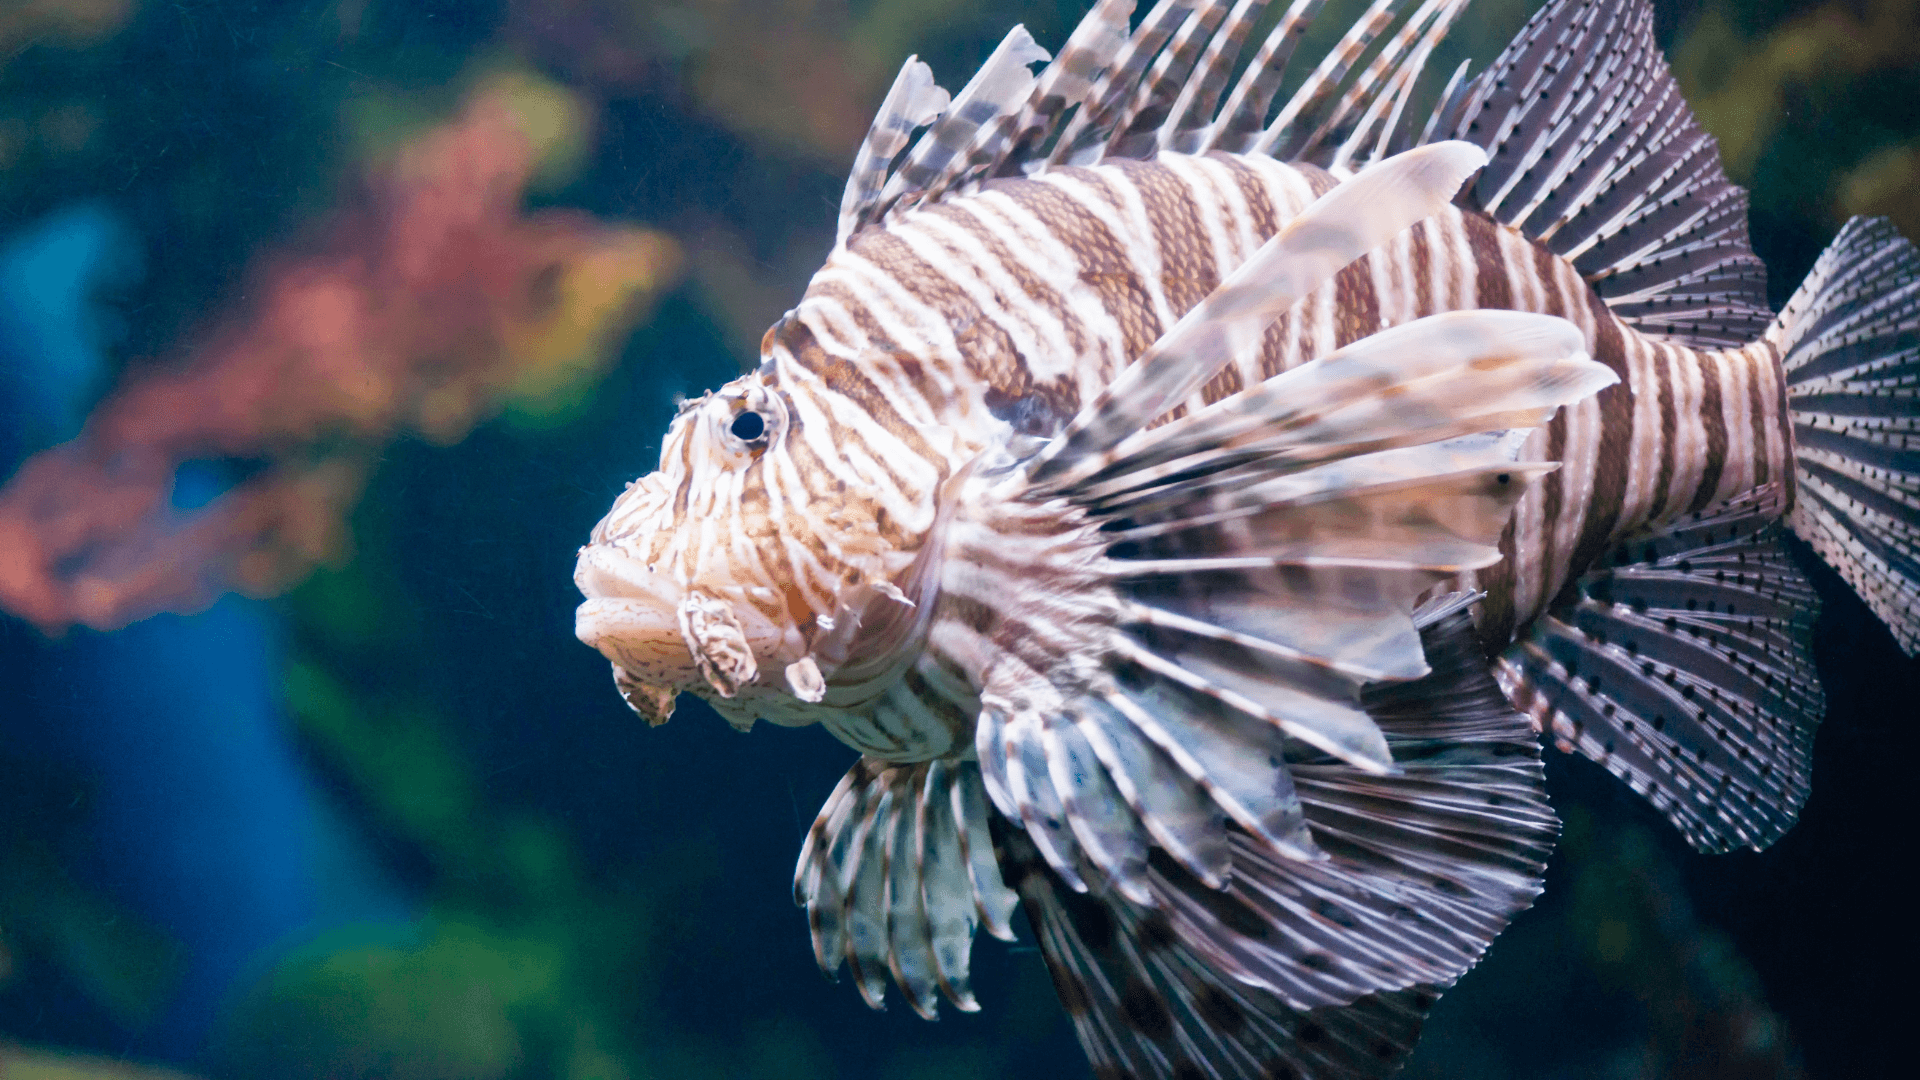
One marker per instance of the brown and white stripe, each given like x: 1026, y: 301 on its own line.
x: 942, y: 515
x: 1028, y: 296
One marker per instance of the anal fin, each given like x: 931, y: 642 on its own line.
x: 1682, y: 663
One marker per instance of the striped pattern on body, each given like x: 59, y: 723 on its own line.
x: 1137, y: 652
x: 1113, y: 478
x: 1018, y: 303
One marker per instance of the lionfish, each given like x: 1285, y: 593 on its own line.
x: 1196, y: 513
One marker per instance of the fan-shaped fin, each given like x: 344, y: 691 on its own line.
x: 1422, y: 868
x: 1110, y: 618
x: 1239, y: 603
x: 1318, y: 968
x: 1851, y: 341
x: 1146, y: 1008
x: 1596, y: 155
x: 1682, y: 663
x: 1413, y: 873
x: 896, y: 873
x: 992, y: 901
x: 1173, y: 807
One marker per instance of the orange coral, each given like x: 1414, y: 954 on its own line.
x: 423, y: 305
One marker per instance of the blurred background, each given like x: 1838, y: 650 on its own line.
x: 328, y: 328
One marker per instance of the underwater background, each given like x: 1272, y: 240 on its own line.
x: 329, y: 328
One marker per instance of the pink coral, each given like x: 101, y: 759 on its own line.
x: 421, y: 305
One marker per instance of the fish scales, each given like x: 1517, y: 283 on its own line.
x: 1198, y: 514
x: 1129, y: 256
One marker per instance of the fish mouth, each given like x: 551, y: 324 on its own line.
x: 666, y: 636
x: 631, y: 617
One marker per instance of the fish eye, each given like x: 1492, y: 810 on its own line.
x: 748, y: 426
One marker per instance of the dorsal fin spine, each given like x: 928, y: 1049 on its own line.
x: 1414, y: 41
x: 1072, y: 78
x: 912, y: 100
x: 1325, y: 80
x: 1244, y: 115
x: 1002, y: 79
x: 1372, y: 92
x: 1200, y: 97
x: 1154, y: 98
x: 1118, y: 84
x: 1457, y: 85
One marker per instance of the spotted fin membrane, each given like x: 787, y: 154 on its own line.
x: 1682, y: 663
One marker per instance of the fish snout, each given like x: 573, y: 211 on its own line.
x: 631, y: 617
x: 666, y: 637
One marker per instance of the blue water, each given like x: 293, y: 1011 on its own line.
x: 201, y: 818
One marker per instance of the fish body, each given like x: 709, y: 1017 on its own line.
x: 1024, y: 299
x: 1195, y: 511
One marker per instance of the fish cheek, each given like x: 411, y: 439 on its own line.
x: 771, y: 545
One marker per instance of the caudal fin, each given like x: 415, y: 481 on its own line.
x: 1851, y: 342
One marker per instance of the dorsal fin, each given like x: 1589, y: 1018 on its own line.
x: 1299, y: 131
x: 1193, y: 111
x: 1378, y: 99
x: 1083, y: 139
x: 1073, y: 79
x: 945, y: 153
x: 1244, y: 115
x: 1595, y: 154
x: 1116, y: 92
x: 1137, y: 134
x: 913, y: 100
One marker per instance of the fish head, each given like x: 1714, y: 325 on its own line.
x: 739, y: 573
